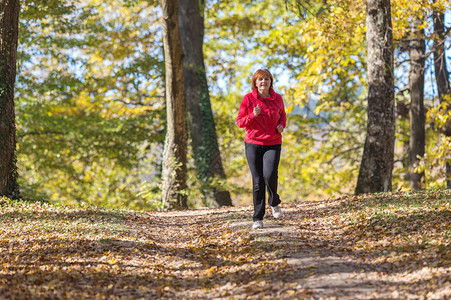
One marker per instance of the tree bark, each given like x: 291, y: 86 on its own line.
x: 417, y: 53
x: 174, y: 190
x: 204, y: 140
x: 375, y: 174
x: 9, y: 29
x: 442, y: 75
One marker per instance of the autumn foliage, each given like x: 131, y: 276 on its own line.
x: 390, y: 245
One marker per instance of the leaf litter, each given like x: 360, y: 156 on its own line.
x: 386, y: 245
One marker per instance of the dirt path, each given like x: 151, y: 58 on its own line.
x: 302, y: 255
x: 386, y: 246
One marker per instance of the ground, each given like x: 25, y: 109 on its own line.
x: 381, y: 246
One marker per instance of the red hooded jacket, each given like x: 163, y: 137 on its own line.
x: 261, y: 130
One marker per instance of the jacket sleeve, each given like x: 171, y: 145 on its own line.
x: 244, y: 116
x: 283, y: 115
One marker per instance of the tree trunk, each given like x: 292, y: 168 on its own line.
x: 207, y: 157
x: 442, y: 75
x: 417, y: 53
x: 375, y: 174
x: 9, y: 29
x: 174, y: 190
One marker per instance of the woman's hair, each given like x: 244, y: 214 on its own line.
x: 261, y: 73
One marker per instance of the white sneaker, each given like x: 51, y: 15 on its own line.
x: 276, y: 211
x: 257, y: 224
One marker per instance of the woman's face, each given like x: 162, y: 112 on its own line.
x: 263, y: 84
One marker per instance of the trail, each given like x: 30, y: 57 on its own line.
x: 288, y: 258
x: 382, y: 246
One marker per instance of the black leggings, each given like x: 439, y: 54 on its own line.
x: 263, y: 161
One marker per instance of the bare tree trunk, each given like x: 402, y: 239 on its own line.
x: 417, y: 53
x: 442, y: 75
x: 174, y: 190
x: 207, y: 157
x: 9, y: 30
x: 375, y: 174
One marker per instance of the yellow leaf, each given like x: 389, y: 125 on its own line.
x: 112, y: 261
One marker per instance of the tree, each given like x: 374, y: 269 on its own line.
x: 323, y: 55
x: 174, y: 158
x: 442, y: 76
x: 376, y: 167
x: 204, y: 140
x: 9, y: 31
x: 90, y: 112
x: 417, y: 53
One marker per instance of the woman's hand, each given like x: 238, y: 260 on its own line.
x: 257, y: 110
x: 279, y: 128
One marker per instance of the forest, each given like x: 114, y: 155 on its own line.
x: 132, y: 103
x: 123, y: 172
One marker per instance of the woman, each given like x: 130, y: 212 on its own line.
x: 262, y: 114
